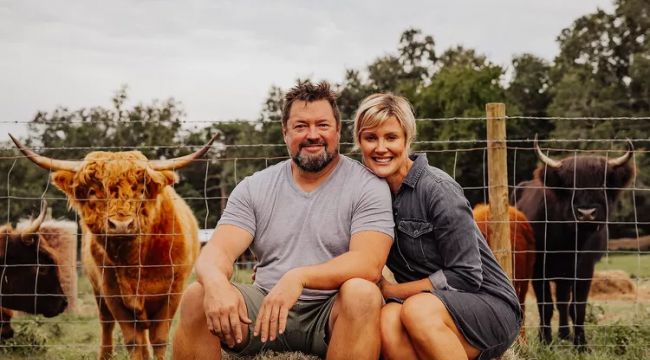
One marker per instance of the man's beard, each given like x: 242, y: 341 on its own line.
x: 314, y: 163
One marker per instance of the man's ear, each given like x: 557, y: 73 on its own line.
x: 64, y: 180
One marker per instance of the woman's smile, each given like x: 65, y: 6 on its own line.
x: 385, y: 151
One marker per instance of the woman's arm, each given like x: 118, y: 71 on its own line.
x: 404, y: 290
x: 456, y: 237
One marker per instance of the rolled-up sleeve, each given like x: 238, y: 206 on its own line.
x: 455, y: 230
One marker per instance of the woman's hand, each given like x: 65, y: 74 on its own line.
x: 403, y: 290
x: 386, y: 287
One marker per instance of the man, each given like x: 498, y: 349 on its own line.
x: 318, y: 223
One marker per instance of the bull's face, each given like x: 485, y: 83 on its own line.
x: 29, y: 275
x: 115, y: 193
x: 586, y: 187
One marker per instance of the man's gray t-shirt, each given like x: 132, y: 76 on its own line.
x: 293, y: 228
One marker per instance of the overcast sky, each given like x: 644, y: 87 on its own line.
x: 219, y: 58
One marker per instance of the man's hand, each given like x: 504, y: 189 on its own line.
x: 272, y: 317
x: 225, y: 311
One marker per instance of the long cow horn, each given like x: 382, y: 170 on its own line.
x: 624, y: 158
x: 545, y: 159
x: 46, y: 162
x: 182, y: 161
x: 36, y: 224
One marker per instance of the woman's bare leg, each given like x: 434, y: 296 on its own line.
x: 432, y: 331
x: 395, y: 342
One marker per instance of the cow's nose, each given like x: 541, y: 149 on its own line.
x: 586, y: 214
x: 121, y: 226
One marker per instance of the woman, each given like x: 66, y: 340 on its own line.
x: 452, y: 300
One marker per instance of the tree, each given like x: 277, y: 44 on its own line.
x: 458, y: 89
x: 152, y: 128
x: 602, y: 71
x: 530, y: 85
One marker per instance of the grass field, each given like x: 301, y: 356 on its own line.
x: 637, y: 265
x: 615, y: 328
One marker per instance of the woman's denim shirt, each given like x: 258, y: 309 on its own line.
x: 436, y: 236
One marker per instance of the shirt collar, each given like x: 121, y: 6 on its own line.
x: 420, y: 163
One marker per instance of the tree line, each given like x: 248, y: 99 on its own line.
x: 602, y: 70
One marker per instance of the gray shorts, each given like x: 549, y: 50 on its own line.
x: 307, y: 326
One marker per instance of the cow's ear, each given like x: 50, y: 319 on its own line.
x: 620, y: 176
x: 64, y: 180
x: 170, y: 177
x: 157, y: 180
x: 551, y: 177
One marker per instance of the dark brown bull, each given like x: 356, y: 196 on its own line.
x: 568, y: 203
x: 29, y: 275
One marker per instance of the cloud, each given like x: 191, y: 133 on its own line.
x: 220, y: 57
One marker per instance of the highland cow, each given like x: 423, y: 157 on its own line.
x: 522, y: 243
x: 568, y: 203
x: 29, y: 274
x: 139, y: 240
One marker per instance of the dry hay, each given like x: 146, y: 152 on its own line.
x: 612, y: 283
x: 607, y: 285
x: 271, y: 355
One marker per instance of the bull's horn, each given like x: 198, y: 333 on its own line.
x: 182, y: 161
x: 624, y: 158
x: 36, y: 224
x: 545, y: 159
x: 46, y: 162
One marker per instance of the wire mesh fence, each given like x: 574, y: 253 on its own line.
x: 581, y: 213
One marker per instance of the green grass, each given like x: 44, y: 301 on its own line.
x: 637, y: 265
x: 616, y: 329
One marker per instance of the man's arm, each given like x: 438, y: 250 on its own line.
x: 223, y: 304
x: 365, y: 259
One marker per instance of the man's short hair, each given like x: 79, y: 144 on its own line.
x: 308, y: 92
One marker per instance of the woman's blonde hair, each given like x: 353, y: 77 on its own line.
x: 377, y: 108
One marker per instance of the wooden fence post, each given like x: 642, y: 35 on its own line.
x: 498, y: 226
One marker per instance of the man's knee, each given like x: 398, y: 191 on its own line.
x: 359, y: 296
x: 191, y: 306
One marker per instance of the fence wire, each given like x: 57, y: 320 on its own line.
x: 620, y: 287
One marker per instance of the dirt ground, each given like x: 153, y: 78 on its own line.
x: 633, y: 244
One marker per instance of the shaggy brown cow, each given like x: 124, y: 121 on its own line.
x: 139, y: 240
x: 29, y: 275
x: 568, y: 204
x: 522, y: 242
